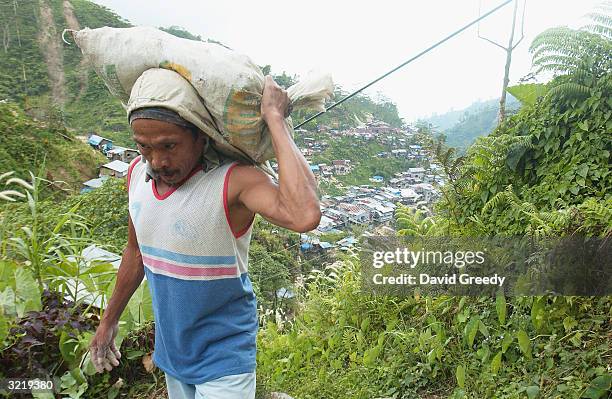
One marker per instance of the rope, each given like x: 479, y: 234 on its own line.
x: 406, y: 63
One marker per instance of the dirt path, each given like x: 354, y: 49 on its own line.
x: 50, y: 46
x: 83, y: 68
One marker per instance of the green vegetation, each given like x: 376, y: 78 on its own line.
x: 40, y: 255
x: 544, y: 173
x: 461, y: 128
x: 351, y: 113
x: 25, y: 143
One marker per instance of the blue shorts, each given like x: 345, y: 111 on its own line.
x: 239, y: 386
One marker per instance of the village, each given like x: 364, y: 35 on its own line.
x: 367, y: 208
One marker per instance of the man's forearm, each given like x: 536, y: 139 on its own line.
x: 129, y: 277
x: 297, y: 185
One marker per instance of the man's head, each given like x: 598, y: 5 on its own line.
x: 172, y: 147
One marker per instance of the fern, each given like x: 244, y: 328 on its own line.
x: 570, y: 90
x: 585, y: 54
x: 503, y: 197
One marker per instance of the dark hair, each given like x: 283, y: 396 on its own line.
x: 164, y: 115
x: 195, y: 132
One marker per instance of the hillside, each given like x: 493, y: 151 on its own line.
x: 43, y: 74
x: 26, y: 142
x: 462, y: 127
x: 545, y: 173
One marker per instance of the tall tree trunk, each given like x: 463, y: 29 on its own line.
x: 502, y: 99
x: 508, y: 50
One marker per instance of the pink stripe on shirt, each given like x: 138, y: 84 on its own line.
x: 189, y: 271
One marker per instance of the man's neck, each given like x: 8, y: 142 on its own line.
x: 163, y: 188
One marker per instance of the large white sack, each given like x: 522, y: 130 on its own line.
x: 229, y: 84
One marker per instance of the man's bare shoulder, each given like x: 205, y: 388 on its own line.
x: 247, y: 177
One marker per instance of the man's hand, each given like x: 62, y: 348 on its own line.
x: 275, y: 101
x: 104, y: 353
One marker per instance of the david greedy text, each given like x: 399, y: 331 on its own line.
x: 459, y: 259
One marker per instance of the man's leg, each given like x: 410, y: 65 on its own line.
x: 179, y: 390
x: 239, y: 386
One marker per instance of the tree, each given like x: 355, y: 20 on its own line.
x: 508, y: 49
x: 181, y: 32
x: 581, y: 57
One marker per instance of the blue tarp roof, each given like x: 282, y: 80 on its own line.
x: 305, y: 247
x: 284, y: 293
x: 314, y: 167
x: 348, y: 241
x: 95, y: 139
x: 325, y: 245
x: 96, y: 183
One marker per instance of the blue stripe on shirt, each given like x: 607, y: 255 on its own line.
x: 189, y: 259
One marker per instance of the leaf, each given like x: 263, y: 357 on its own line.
x: 508, y: 338
x: 471, y: 328
x: 130, y: 355
x: 496, y: 363
x: 500, y: 307
x: 538, y: 313
x: 514, y: 157
x: 528, y: 93
x: 4, y: 328
x: 524, y: 343
x: 598, y: 387
x: 583, y: 170
x: 365, y: 324
x: 7, y: 302
x: 67, y: 347
x: 532, y: 391
x: 484, y: 196
x: 568, y: 323
x: 74, y: 383
x: 460, y: 374
x: 26, y: 292
x: 576, y: 339
x: 483, y: 329
x: 43, y: 395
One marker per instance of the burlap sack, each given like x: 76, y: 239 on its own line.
x: 229, y: 84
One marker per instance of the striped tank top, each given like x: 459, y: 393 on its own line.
x: 196, y: 267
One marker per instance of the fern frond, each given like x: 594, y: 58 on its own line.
x: 570, y: 90
x: 599, y: 29
x: 408, y: 232
x: 503, y: 197
x: 600, y: 19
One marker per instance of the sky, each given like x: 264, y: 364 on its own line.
x: 358, y: 41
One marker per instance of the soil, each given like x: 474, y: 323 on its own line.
x: 50, y: 46
x: 83, y: 68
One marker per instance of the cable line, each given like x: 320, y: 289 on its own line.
x: 407, y: 62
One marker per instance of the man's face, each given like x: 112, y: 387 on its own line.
x: 171, y: 150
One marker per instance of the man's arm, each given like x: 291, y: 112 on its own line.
x: 293, y: 203
x: 129, y: 277
x: 104, y: 353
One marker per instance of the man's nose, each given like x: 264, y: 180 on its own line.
x: 159, y: 161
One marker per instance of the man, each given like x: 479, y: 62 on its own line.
x: 189, y: 232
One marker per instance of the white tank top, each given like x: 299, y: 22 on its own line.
x: 196, y: 267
